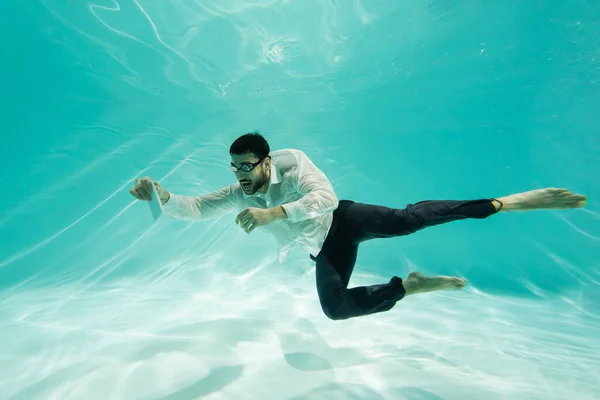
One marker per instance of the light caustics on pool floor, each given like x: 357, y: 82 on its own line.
x: 204, y: 331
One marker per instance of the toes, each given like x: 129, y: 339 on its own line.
x: 568, y: 197
x: 577, y: 200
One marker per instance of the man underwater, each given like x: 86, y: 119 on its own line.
x: 284, y: 193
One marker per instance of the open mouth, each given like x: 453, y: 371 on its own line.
x: 246, y: 185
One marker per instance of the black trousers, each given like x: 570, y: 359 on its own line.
x: 354, y: 223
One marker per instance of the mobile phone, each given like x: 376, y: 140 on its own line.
x: 156, y: 207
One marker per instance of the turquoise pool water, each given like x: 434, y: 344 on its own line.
x: 396, y: 101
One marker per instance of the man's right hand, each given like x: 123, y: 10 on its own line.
x: 142, y: 190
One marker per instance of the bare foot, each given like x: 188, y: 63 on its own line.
x: 549, y: 198
x: 417, y: 283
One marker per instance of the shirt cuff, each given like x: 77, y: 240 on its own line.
x: 171, y: 205
x: 295, y: 211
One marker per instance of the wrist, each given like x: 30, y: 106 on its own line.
x: 164, y: 197
x: 278, y: 212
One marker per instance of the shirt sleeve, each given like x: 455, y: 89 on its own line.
x: 318, y: 196
x: 212, y: 205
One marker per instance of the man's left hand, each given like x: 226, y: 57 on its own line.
x: 252, y: 218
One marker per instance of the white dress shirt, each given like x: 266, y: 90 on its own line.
x: 296, y: 184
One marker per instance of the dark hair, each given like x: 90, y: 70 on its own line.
x: 250, y: 143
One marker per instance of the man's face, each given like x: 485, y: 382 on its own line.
x: 251, y: 174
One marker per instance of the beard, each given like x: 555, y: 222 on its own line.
x: 251, y: 186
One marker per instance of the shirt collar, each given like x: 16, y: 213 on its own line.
x: 274, y: 180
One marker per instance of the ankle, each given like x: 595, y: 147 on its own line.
x: 411, y: 284
x: 498, y: 204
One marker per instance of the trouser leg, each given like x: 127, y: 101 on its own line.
x: 368, y: 221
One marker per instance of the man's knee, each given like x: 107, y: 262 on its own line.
x: 334, y: 313
x: 406, y: 222
x: 332, y: 306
